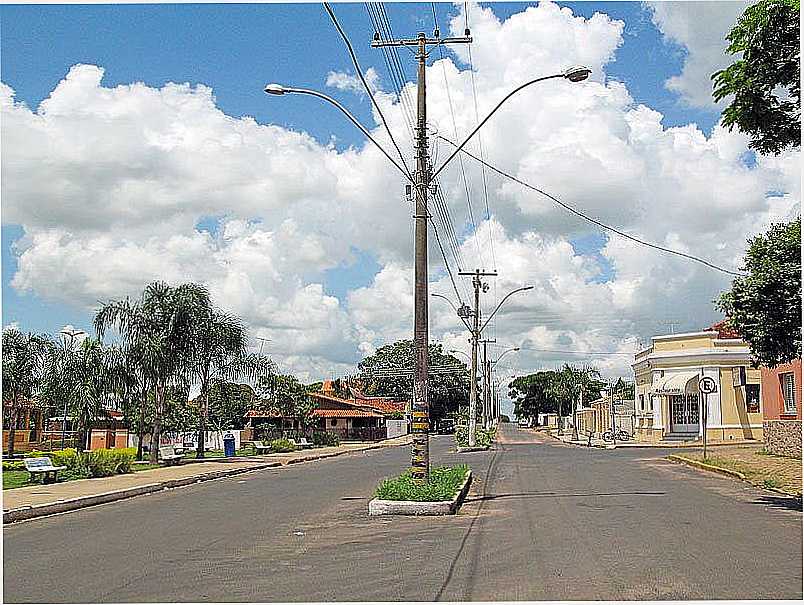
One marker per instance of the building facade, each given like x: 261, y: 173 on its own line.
x: 669, y: 403
x: 781, y: 400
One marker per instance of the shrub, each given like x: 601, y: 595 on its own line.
x: 16, y: 465
x: 483, y: 437
x: 282, y: 445
x: 104, y: 462
x: 443, y: 484
x: 67, y: 457
x: 325, y: 438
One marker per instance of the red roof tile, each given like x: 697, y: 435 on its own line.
x: 354, y: 413
x: 723, y: 330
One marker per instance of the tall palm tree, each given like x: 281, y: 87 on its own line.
x: 160, y: 328
x: 84, y: 378
x: 220, y: 353
x: 25, y: 361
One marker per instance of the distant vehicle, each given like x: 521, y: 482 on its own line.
x: 445, y: 426
x: 524, y: 423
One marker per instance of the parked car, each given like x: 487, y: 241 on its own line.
x: 524, y: 423
x: 445, y: 426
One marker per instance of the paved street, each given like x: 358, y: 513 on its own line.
x: 543, y: 521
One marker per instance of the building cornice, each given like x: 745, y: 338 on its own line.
x: 684, y: 335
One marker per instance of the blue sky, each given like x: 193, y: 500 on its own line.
x: 236, y: 49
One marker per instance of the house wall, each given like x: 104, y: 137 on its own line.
x: 772, y: 399
x: 736, y: 422
x: 677, y: 344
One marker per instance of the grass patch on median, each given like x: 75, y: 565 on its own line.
x: 444, y: 483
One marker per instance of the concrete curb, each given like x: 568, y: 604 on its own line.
x: 706, y: 467
x: 62, y: 506
x: 730, y: 473
x: 377, y: 507
x: 476, y: 448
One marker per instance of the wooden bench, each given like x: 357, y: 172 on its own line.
x: 261, y: 448
x: 303, y: 443
x: 43, y: 466
x: 168, y: 454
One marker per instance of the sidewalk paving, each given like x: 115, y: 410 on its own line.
x: 37, y: 500
x: 583, y: 441
x: 764, y: 470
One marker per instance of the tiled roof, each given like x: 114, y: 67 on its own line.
x: 383, y: 404
x: 723, y: 331
x: 354, y: 413
x: 262, y: 414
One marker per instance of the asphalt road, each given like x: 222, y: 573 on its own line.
x: 543, y: 521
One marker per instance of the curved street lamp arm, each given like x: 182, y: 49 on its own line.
x: 494, y: 363
x: 501, y: 304
x: 353, y: 120
x: 468, y: 327
x: 486, y: 119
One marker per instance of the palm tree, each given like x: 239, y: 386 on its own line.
x: 220, y: 353
x: 25, y: 361
x: 85, y: 379
x: 160, y: 329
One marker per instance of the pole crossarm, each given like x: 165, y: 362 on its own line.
x: 417, y: 41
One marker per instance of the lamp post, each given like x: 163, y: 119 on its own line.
x: 72, y: 334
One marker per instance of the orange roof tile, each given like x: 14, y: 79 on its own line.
x: 345, y: 414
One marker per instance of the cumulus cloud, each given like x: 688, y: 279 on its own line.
x: 700, y: 28
x: 117, y: 186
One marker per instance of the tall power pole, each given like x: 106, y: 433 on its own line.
x: 420, y: 455
x: 486, y: 382
x: 478, y: 285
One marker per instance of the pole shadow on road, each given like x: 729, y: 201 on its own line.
x: 560, y: 495
x: 784, y: 502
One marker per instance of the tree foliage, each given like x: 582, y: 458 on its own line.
x: 554, y: 391
x: 766, y: 80
x: 764, y: 307
x: 26, y: 358
x: 284, y: 393
x: 389, y: 373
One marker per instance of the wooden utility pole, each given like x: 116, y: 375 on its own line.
x: 420, y: 455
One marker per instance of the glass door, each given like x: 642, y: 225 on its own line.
x: 684, y: 413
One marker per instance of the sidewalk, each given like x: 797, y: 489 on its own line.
x: 38, y: 500
x: 567, y: 438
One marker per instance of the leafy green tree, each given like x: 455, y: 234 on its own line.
x: 389, y: 373
x: 26, y: 358
x: 229, y: 402
x: 766, y: 80
x: 161, y: 327
x: 284, y: 393
x: 532, y: 394
x: 84, y: 377
x: 764, y: 307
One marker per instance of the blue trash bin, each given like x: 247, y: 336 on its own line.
x: 228, y: 445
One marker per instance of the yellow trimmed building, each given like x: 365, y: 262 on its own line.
x: 669, y: 403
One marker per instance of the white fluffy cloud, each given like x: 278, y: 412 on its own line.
x: 700, y: 28
x: 119, y: 186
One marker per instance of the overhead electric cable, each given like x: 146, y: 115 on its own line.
x: 365, y: 84
x: 593, y: 220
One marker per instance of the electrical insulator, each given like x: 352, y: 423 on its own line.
x: 436, y: 33
x: 376, y: 36
x: 408, y: 192
x: 466, y: 32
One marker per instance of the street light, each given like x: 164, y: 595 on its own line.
x: 577, y: 73
x: 279, y: 90
x: 461, y: 352
x: 523, y: 289
x: 462, y: 312
x: 72, y: 334
x: 494, y: 363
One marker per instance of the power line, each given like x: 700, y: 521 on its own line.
x: 365, y: 84
x: 593, y: 220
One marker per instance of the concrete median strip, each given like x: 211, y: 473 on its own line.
x: 62, y: 505
x: 378, y: 507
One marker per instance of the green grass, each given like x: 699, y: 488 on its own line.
x: 14, y: 479
x: 444, y: 483
x: 772, y: 483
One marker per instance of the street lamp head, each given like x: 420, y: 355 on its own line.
x: 275, y: 89
x: 577, y: 73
